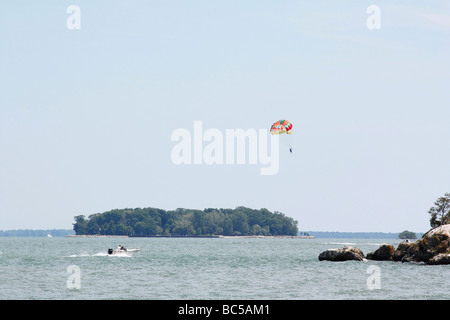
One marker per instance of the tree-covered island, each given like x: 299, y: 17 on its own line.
x: 241, y: 221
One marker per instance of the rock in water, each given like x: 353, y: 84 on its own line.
x: 432, y: 248
x: 385, y: 252
x: 401, y: 250
x: 342, y: 254
x: 442, y: 258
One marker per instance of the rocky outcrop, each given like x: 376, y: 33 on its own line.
x: 385, y: 252
x: 342, y: 254
x: 432, y: 247
x: 401, y: 250
x: 441, y: 258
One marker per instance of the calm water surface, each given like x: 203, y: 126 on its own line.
x: 213, y: 268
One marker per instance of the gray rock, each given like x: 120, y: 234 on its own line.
x: 342, y: 254
x: 441, y: 258
x: 427, y: 249
x: 401, y: 250
x: 385, y: 252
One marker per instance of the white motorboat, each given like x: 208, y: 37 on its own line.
x: 122, y: 250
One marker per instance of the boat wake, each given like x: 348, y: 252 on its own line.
x: 121, y: 251
x: 83, y: 254
x: 116, y: 254
x: 343, y: 243
x: 102, y: 254
x: 354, y: 243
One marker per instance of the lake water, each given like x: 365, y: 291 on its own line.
x: 212, y: 268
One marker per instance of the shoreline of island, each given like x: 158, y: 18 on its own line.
x: 182, y: 236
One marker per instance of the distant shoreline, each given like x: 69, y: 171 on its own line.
x: 164, y: 236
x: 311, y: 234
x: 93, y: 236
x: 269, y: 237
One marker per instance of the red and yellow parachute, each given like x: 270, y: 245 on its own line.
x: 281, y: 126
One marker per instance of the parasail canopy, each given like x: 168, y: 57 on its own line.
x: 281, y: 126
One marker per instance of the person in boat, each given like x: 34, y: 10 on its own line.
x: 121, y: 248
x: 290, y: 150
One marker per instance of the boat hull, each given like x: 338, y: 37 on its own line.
x: 123, y: 252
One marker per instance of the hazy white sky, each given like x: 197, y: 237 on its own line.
x: 86, y: 115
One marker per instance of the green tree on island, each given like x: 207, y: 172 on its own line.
x: 407, y: 235
x: 186, y: 222
x: 440, y: 213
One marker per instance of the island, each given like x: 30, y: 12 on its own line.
x: 144, y: 222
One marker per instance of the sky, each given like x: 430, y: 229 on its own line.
x: 87, y: 114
